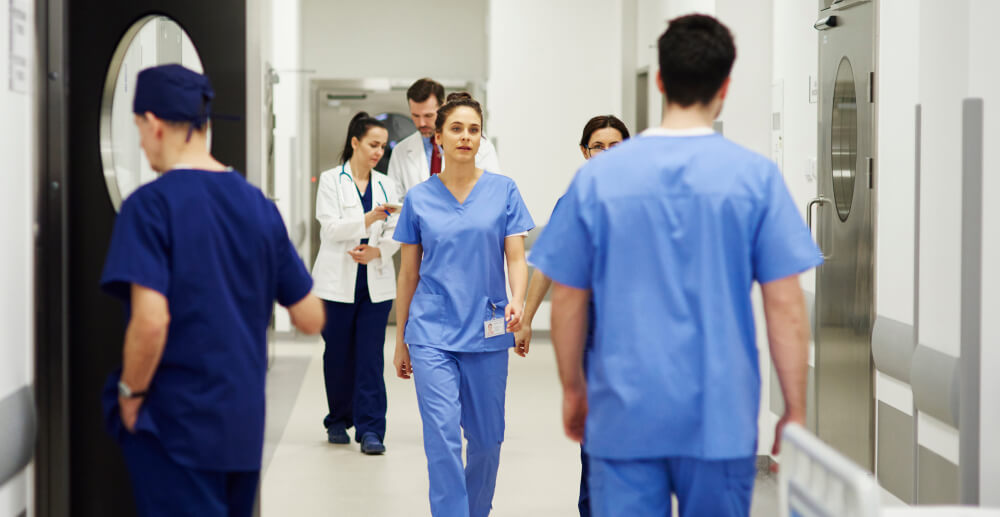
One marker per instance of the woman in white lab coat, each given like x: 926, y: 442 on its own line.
x: 354, y: 275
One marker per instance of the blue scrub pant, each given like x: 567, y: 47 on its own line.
x: 456, y: 391
x: 641, y: 488
x: 353, y: 364
x: 163, y: 487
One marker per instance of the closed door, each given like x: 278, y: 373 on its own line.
x: 79, y: 468
x: 844, y: 214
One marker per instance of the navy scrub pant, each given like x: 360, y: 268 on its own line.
x: 353, y: 364
x: 163, y: 487
x: 584, y: 502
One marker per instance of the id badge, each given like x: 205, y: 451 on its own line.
x: 495, y: 327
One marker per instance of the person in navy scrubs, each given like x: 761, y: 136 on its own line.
x: 454, y: 321
x: 198, y: 258
x: 600, y: 133
x: 356, y: 280
x: 667, y: 234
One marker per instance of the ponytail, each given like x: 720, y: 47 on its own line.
x: 358, y: 128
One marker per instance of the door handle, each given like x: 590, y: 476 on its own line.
x: 809, y: 220
x: 823, y: 24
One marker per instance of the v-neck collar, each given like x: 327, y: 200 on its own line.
x: 472, y: 191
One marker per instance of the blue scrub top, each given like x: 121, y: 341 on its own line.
x: 462, y: 271
x: 217, y: 249
x: 670, y: 233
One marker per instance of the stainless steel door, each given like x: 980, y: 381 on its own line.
x: 844, y: 284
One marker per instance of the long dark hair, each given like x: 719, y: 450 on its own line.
x: 454, y: 101
x: 601, y: 122
x: 358, y: 128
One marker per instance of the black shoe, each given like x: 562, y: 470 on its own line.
x: 337, y: 433
x: 371, y: 445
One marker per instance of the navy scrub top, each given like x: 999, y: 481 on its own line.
x: 217, y: 249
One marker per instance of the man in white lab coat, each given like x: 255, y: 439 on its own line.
x: 415, y: 158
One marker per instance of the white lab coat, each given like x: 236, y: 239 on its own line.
x: 342, y: 226
x: 408, y: 165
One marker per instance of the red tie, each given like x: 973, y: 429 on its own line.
x: 435, y: 158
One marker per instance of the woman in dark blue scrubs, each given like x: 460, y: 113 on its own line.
x: 355, y: 277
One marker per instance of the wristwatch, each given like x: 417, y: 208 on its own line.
x: 126, y: 393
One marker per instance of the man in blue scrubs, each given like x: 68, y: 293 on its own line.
x: 668, y: 232
x: 198, y: 258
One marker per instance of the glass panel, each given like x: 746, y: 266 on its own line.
x: 399, y: 126
x: 154, y: 40
x: 844, y: 147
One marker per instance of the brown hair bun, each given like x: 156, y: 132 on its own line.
x: 459, y: 96
x: 456, y: 100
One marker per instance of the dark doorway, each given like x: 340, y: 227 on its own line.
x: 80, y: 471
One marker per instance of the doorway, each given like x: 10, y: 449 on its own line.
x: 844, y: 309
x: 641, y: 101
x: 79, y: 330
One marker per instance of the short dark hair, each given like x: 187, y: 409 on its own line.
x: 696, y: 57
x: 422, y: 90
x: 358, y: 128
x: 601, y: 122
x: 456, y: 100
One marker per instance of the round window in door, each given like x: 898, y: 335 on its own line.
x: 844, y: 145
x: 400, y: 127
x: 151, y: 41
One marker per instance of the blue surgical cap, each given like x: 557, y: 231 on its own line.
x: 175, y: 93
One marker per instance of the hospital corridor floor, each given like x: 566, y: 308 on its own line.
x: 304, y: 476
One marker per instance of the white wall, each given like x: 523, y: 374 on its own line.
x: 747, y: 112
x: 258, y: 56
x: 17, y: 146
x: 548, y: 75
x: 289, y: 173
x: 943, y: 83
x: 984, y: 82
x: 794, y: 59
x: 443, y: 39
x: 795, y: 54
x: 943, y: 72
x: 896, y: 97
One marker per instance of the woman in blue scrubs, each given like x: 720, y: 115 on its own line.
x: 456, y: 229
x: 356, y: 280
x: 600, y: 134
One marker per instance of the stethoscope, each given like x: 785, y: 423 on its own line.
x: 346, y: 202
